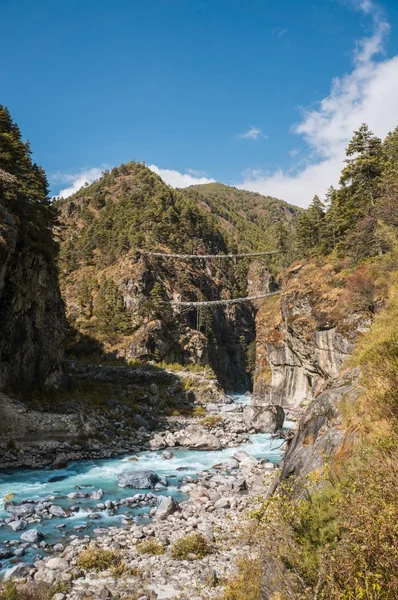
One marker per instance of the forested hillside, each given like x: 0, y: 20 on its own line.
x: 359, y: 217
x: 114, y: 293
x: 249, y: 220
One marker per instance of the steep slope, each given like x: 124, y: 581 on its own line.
x: 114, y: 294
x: 305, y: 335
x: 31, y: 310
x: 249, y: 220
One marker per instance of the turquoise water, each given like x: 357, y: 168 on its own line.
x: 91, y: 475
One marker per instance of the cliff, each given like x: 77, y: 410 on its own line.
x: 31, y: 310
x: 305, y: 334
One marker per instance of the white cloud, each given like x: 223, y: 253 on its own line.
x: 180, y: 180
x: 77, y: 180
x: 250, y: 134
x: 369, y: 94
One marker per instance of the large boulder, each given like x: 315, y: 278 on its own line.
x: 32, y: 536
x: 60, y: 462
x: 57, y: 511
x: 139, y: 480
x: 20, y: 510
x: 264, y: 419
x: 201, y: 440
x: 166, y: 506
x: 18, y: 525
x: 245, y: 459
x: 19, y: 571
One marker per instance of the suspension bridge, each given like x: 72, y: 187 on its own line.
x: 212, y: 303
x: 207, y: 256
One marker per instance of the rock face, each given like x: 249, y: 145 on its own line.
x: 320, y: 432
x: 140, y: 480
x: 31, y: 310
x: 264, y: 419
x: 303, y: 337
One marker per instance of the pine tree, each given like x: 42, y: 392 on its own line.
x: 360, y: 178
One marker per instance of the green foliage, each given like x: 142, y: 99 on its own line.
x: 251, y: 222
x: 191, y: 547
x: 24, y: 187
x: 152, y: 546
x: 211, y: 421
x: 246, y: 584
x: 367, y: 197
x: 131, y: 208
x: 98, y: 559
x: 110, y: 310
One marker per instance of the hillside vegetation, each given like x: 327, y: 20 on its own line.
x: 332, y: 534
x: 249, y: 221
x: 115, y: 295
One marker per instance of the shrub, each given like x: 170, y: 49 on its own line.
x: 246, y: 585
x: 361, y: 291
x: 153, y: 547
x: 191, y: 547
x: 198, y: 411
x: 211, y: 421
x: 98, y: 559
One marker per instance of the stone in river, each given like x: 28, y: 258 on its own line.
x: 60, y: 462
x: 57, y: 511
x: 32, y: 536
x: 18, y: 525
x: 201, y: 441
x: 140, y: 480
x: 20, y: 510
x: 167, y: 454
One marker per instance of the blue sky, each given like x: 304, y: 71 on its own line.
x: 255, y: 93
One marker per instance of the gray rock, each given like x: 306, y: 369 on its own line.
x: 20, y: 571
x: 154, y: 389
x: 60, y: 462
x: 227, y: 465
x: 97, y: 495
x: 18, y: 525
x: 201, y: 440
x: 265, y: 419
x: 20, y: 510
x: 223, y: 503
x: 245, y: 458
x: 140, y: 480
x: 166, y: 506
x: 167, y: 454
x: 57, y: 564
x: 32, y: 536
x: 57, y: 511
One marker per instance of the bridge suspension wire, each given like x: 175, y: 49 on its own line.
x: 220, y: 302
x: 206, y: 256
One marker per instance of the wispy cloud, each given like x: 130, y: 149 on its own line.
x: 369, y: 93
x: 251, y: 134
x: 76, y: 180
x: 279, y: 32
x: 181, y: 180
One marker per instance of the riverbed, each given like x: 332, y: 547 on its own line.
x: 91, y: 475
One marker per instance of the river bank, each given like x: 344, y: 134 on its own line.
x: 198, y: 491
